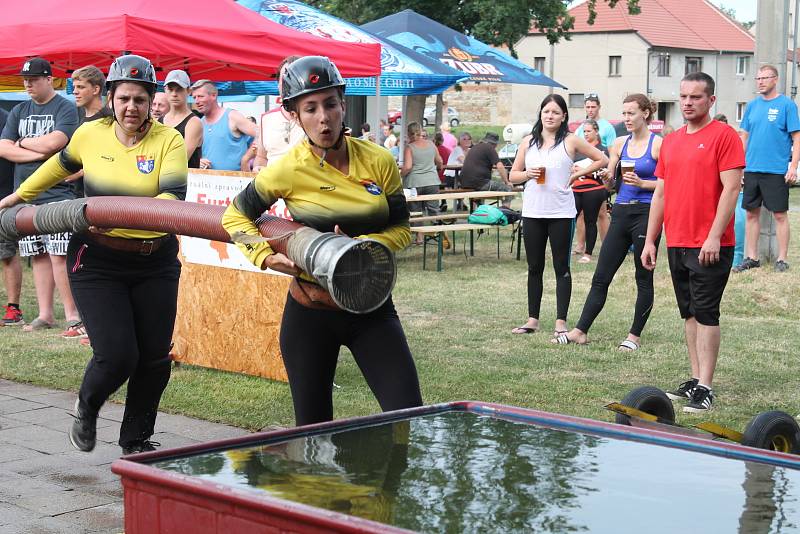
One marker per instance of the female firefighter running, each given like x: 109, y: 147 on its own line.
x: 125, y: 282
x: 331, y: 182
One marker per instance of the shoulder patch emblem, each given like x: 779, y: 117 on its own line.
x: 372, y: 188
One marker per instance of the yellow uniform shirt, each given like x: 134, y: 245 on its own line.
x: 366, y: 203
x: 154, y: 167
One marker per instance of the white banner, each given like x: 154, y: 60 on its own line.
x: 217, y: 190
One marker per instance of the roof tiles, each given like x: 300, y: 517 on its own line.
x: 688, y: 24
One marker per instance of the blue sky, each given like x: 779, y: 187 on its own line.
x: 745, y: 9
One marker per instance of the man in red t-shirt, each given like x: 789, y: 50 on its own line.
x: 699, y: 170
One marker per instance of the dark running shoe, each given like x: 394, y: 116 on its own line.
x: 83, y: 433
x: 13, y: 316
x: 684, y: 391
x: 747, y: 263
x: 140, y: 446
x: 702, y: 400
x: 781, y: 266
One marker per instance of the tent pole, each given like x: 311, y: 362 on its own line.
x: 402, y: 131
x: 377, y: 123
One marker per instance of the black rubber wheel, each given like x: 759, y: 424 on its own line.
x: 650, y: 400
x: 454, y: 123
x: 773, y: 431
x: 424, y: 122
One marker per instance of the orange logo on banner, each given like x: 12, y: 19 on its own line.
x: 460, y: 55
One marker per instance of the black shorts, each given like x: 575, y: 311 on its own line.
x: 771, y: 190
x: 699, y: 289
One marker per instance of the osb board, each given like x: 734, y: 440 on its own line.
x: 230, y: 320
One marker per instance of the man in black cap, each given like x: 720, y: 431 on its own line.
x: 12, y: 268
x: 36, y: 129
x: 478, y: 165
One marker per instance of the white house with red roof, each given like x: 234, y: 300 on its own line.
x: 646, y: 53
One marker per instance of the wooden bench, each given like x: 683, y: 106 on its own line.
x: 437, y: 231
x: 442, y: 217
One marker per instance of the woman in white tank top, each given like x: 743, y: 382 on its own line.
x: 544, y: 165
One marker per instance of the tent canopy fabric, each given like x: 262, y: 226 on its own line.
x: 479, y: 60
x: 213, y: 39
x: 403, y: 71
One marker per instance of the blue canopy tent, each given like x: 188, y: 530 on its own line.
x: 403, y: 71
x: 438, y: 42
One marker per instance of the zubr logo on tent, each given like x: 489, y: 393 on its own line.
x: 464, y: 61
x: 460, y: 55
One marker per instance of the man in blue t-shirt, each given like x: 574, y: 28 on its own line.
x: 592, y: 108
x: 227, y: 134
x: 771, y: 132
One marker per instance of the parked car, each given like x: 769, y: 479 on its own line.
x: 507, y: 153
x: 395, y: 116
x: 655, y: 126
x: 429, y: 117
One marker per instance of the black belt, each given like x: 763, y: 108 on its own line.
x: 143, y: 247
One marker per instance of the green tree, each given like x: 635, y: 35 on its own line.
x: 498, y: 23
x: 731, y: 12
x: 501, y: 23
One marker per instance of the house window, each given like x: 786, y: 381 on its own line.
x: 742, y: 63
x: 576, y: 100
x: 538, y: 64
x: 614, y: 65
x: 740, y: 110
x: 693, y: 64
x: 663, y: 64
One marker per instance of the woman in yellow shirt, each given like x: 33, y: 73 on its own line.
x: 125, y: 282
x: 331, y: 182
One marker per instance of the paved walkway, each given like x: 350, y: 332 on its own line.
x: 46, y: 486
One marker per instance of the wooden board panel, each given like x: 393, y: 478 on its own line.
x: 230, y: 320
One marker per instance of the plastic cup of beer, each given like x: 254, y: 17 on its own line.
x: 627, y: 165
x: 542, y: 172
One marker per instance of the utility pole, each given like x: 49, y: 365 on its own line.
x: 771, y: 44
x: 794, y: 50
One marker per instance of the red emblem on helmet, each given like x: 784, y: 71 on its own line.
x: 134, y: 71
x: 314, y: 78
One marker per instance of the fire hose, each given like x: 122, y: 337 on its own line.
x: 355, y: 275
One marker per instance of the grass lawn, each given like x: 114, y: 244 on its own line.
x: 458, y: 324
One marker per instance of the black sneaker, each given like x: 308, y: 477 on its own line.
x: 781, y: 266
x: 140, y: 446
x: 684, y: 391
x: 83, y: 432
x: 747, y: 263
x: 702, y: 400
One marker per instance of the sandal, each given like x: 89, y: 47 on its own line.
x: 585, y: 259
x: 75, y: 330
x: 561, y: 339
x: 524, y: 330
x: 37, y: 324
x: 628, y: 345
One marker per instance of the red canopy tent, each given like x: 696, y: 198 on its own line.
x: 214, y: 39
